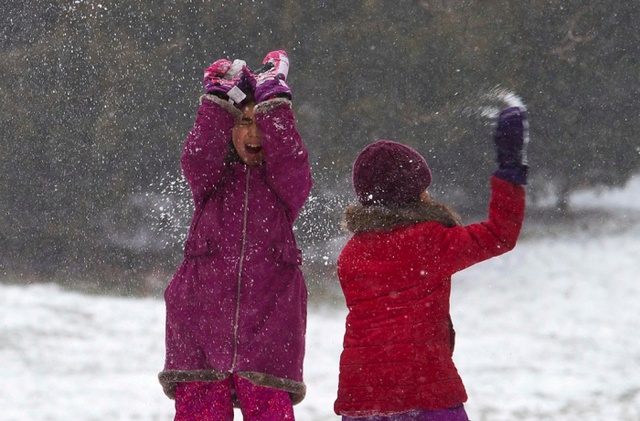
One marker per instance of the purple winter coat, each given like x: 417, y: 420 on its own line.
x: 238, y: 302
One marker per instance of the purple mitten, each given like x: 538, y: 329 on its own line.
x: 270, y: 80
x: 511, y: 138
x: 223, y: 78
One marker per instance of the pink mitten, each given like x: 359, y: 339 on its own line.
x: 222, y: 79
x: 270, y: 80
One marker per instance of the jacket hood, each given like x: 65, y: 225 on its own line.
x: 358, y: 218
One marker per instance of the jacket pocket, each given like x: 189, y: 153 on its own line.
x: 201, y: 248
x: 285, y: 253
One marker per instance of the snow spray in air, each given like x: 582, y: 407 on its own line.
x: 497, y: 99
x: 172, y: 209
x: 490, y: 103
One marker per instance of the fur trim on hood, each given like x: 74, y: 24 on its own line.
x: 358, y: 218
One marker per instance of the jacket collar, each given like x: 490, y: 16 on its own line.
x: 358, y: 218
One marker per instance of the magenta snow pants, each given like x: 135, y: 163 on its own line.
x: 457, y: 413
x: 212, y: 401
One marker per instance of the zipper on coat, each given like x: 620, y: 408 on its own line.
x: 240, y: 268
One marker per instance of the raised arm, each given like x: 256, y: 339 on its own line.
x: 473, y: 243
x: 286, y: 158
x: 206, y: 146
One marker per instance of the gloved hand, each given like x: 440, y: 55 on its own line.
x: 270, y: 80
x: 225, y: 79
x: 511, y: 138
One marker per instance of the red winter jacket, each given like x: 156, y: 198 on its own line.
x: 395, y: 273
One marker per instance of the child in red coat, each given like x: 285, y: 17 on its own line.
x: 396, y: 271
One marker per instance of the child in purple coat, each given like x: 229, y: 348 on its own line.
x: 236, y: 307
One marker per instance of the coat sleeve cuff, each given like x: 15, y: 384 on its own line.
x: 271, y: 104
x: 226, y: 105
x: 514, y: 175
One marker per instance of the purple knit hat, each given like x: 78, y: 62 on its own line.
x: 389, y: 173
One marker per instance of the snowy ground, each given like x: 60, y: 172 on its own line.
x: 546, y: 332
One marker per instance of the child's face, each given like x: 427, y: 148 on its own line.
x: 246, y: 138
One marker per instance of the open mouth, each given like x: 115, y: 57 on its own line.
x: 253, y: 149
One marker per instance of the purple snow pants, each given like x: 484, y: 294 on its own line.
x: 457, y: 413
x: 212, y: 401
